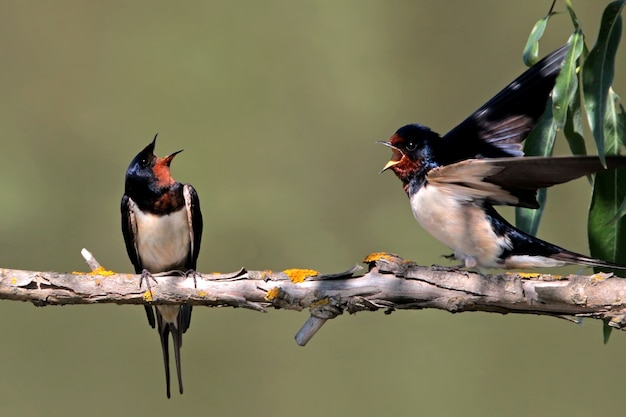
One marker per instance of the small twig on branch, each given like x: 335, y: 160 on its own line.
x: 91, y: 261
x: 391, y: 283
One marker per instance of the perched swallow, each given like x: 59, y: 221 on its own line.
x: 162, y: 227
x: 454, y: 181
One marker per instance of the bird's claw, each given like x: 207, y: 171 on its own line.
x: 443, y: 268
x: 147, y: 276
x: 194, y: 274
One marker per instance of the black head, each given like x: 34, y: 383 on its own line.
x: 413, y: 149
x: 148, y: 174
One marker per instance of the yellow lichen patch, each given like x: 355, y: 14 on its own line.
x: 202, y: 293
x: 98, y: 271
x: 595, y: 278
x: 272, y: 294
x: 319, y: 303
x: 101, y: 271
x: 147, y: 296
x: 377, y: 256
x: 526, y: 274
x: 373, y: 257
x: 266, y: 274
x: 13, y: 281
x: 299, y: 275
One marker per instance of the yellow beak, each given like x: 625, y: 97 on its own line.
x: 388, y: 165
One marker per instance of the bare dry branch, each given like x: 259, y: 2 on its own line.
x: 391, y: 283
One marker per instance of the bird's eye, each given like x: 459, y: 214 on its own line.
x: 144, y: 162
x: 411, y: 146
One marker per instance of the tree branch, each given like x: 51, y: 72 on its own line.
x: 391, y: 283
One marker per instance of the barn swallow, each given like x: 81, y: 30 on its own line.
x: 162, y: 227
x: 453, y: 182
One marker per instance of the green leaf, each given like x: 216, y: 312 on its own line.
x: 606, y: 227
x: 573, y: 129
x: 540, y: 142
x: 607, y: 233
x: 531, y: 49
x: 614, y: 123
x: 598, y: 71
x: 572, y: 14
x: 528, y: 219
x: 566, y: 85
x: 615, y: 134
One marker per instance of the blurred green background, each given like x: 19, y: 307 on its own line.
x: 277, y: 105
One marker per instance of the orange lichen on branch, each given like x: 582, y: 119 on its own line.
x: 377, y: 256
x: 272, y: 294
x: 320, y: 303
x: 525, y: 274
x: 299, y: 275
x: 147, y: 296
x: 102, y: 271
x: 599, y: 277
x: 98, y: 271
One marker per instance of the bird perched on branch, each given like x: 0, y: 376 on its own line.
x: 453, y: 181
x: 162, y: 227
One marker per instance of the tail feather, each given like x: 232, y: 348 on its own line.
x: 524, y: 248
x: 578, y: 259
x: 185, y: 318
x: 177, y: 337
x: 150, y: 315
x: 164, y: 331
x: 176, y: 326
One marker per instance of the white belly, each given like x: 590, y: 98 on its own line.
x: 461, y: 225
x: 163, y: 242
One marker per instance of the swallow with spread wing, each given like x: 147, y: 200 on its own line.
x: 454, y: 181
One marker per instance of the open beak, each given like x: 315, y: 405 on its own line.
x: 168, y: 159
x: 395, y: 158
x: 388, y: 165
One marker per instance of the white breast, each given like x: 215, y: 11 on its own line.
x: 163, y: 242
x: 459, y: 224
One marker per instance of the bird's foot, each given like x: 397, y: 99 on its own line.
x: 447, y: 268
x: 194, y: 274
x: 452, y: 256
x: 147, y: 276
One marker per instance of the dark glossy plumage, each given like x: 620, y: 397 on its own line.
x: 454, y: 181
x: 162, y: 228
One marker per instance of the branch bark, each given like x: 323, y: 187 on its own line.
x: 391, y: 283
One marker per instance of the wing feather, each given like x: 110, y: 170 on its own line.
x: 498, y: 127
x: 194, y: 217
x: 129, y: 230
x: 514, y: 181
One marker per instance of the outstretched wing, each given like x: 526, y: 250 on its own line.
x: 514, y: 181
x: 498, y: 128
